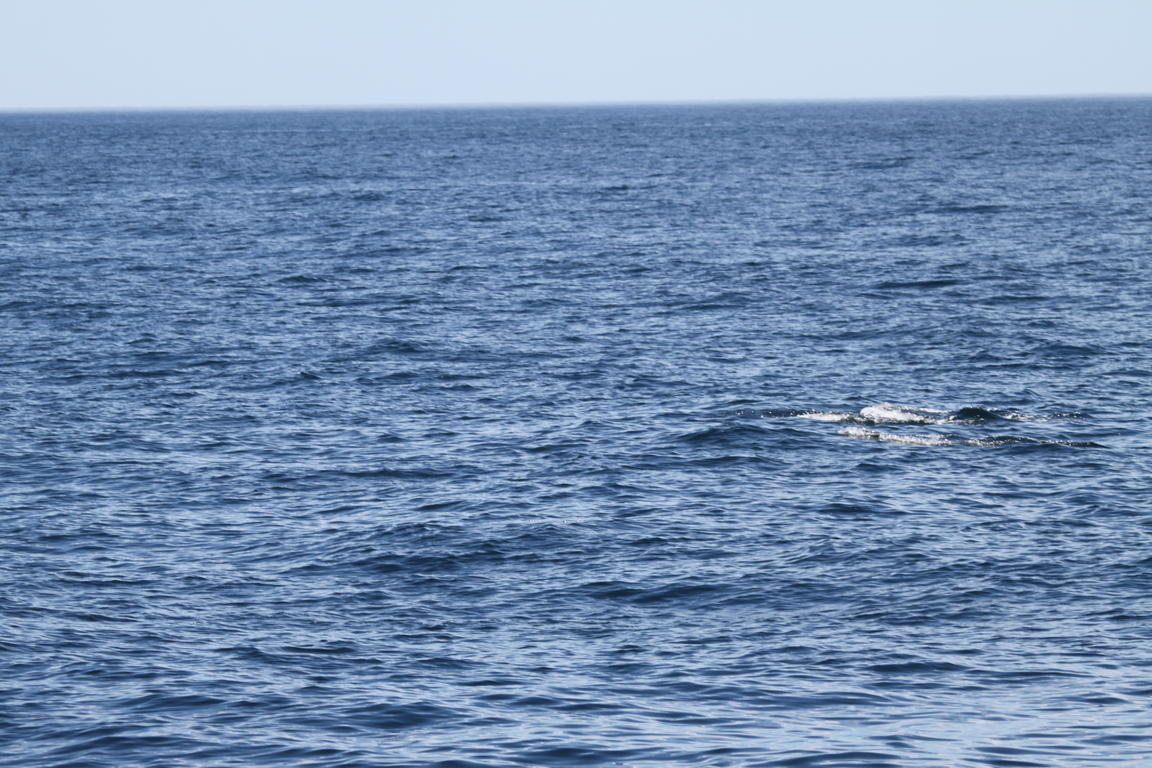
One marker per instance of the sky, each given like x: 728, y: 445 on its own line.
x: 106, y: 54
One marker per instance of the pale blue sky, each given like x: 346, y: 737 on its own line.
x: 198, y: 53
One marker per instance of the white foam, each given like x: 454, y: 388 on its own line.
x: 825, y: 416
x: 887, y: 413
x: 890, y: 437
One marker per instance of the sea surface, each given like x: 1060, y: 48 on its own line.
x: 813, y: 435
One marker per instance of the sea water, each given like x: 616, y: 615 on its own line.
x: 761, y: 435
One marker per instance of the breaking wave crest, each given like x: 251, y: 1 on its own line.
x: 891, y: 437
x: 890, y: 413
x: 967, y: 422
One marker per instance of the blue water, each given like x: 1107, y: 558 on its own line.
x: 705, y: 436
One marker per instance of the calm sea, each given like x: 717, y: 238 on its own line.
x: 813, y: 436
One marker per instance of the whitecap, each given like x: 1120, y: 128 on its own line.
x: 826, y: 416
x: 861, y: 433
x: 888, y: 413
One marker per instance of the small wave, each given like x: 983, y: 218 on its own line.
x: 891, y: 413
x: 891, y: 437
x: 996, y: 441
x: 976, y: 413
x: 887, y: 413
x: 825, y: 415
x: 721, y: 433
x: 884, y: 413
x: 884, y: 163
x: 970, y: 209
x: 911, y: 284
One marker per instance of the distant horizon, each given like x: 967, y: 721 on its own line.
x: 413, y: 107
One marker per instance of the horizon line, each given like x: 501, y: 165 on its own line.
x: 480, y: 105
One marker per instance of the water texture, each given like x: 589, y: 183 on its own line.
x: 811, y: 436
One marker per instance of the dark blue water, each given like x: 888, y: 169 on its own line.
x: 728, y: 436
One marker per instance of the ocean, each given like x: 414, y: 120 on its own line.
x: 810, y: 435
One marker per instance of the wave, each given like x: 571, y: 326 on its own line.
x: 891, y: 437
x: 890, y: 413
x: 994, y: 441
x: 863, y: 424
